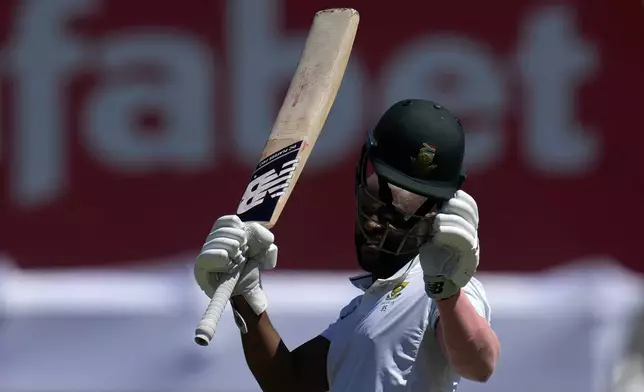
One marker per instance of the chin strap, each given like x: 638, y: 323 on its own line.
x: 384, y: 192
x: 427, y: 206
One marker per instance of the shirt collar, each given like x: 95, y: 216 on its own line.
x: 364, y: 282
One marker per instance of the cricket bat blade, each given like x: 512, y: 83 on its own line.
x: 299, y: 122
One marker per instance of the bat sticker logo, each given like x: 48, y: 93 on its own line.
x: 271, y: 183
x: 271, y: 179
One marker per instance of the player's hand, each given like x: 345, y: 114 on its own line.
x: 451, y: 258
x: 229, y: 244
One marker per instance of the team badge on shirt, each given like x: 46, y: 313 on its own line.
x: 395, y: 293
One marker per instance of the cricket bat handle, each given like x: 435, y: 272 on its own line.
x: 208, y: 325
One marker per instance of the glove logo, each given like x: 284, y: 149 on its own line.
x: 435, y: 287
x: 271, y: 178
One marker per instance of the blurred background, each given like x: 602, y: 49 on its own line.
x: 127, y: 127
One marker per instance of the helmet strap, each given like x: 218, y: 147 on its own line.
x: 384, y: 192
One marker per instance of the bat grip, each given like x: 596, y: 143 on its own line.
x: 208, y: 325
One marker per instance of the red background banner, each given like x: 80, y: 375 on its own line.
x: 125, y: 132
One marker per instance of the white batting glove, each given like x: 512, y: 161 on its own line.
x: 451, y: 258
x: 230, y: 243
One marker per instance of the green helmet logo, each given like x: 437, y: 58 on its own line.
x: 422, y: 163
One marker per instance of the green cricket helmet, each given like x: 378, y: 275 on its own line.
x: 419, y: 146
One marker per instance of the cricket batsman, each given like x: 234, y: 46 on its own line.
x: 423, y: 321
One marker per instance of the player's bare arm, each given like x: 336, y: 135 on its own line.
x: 466, y: 338
x: 275, y: 367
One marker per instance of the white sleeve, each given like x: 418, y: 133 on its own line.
x: 345, y: 312
x: 476, y: 294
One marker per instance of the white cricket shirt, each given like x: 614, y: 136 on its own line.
x: 376, y: 341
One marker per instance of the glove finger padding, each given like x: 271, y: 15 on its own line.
x: 232, y: 221
x: 222, y: 252
x: 269, y: 260
x: 261, y: 247
x: 454, y: 231
x: 259, y: 239
x: 203, y: 270
x: 232, y: 233
x: 231, y: 247
x: 462, y: 205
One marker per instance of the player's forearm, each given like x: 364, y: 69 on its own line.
x: 469, y: 343
x: 267, y: 356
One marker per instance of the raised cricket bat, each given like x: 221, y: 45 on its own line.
x: 299, y: 122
